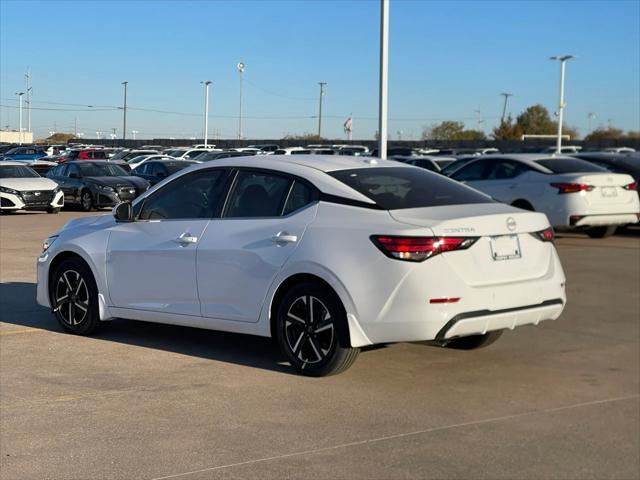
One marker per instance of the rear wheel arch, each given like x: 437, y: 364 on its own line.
x: 300, y: 278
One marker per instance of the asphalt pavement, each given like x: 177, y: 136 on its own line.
x: 148, y: 401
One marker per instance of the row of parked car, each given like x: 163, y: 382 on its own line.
x: 591, y: 191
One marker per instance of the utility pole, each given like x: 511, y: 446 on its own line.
x: 563, y: 60
x: 504, y: 107
x: 322, y: 84
x: 27, y: 78
x: 240, y: 67
x: 20, y: 94
x: 591, y: 116
x: 75, y: 127
x: 384, y: 78
x: 124, y: 108
x: 206, y: 110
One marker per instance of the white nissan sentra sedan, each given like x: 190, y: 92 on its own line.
x: 326, y: 254
x: 573, y: 193
x: 21, y: 188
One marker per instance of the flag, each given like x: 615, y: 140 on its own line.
x: 348, y: 124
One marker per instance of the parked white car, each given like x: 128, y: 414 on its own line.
x: 326, y: 254
x: 290, y: 151
x: 21, y: 188
x: 191, y: 153
x: 573, y: 193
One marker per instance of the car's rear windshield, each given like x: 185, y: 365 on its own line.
x: 396, y: 188
x: 101, y: 170
x: 16, y: 171
x: 569, y: 165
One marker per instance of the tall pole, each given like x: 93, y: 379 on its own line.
x: 384, y: 77
x: 563, y: 60
x: 322, y: 84
x: 20, y: 94
x: 504, y: 107
x: 124, y: 108
x: 206, y: 110
x: 591, y: 116
x: 29, y: 93
x: 240, y: 72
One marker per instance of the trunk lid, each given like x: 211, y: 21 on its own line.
x: 607, y: 187
x: 505, y: 252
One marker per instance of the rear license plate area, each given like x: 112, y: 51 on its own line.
x: 505, y: 247
x: 609, y: 191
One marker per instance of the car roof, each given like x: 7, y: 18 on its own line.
x: 310, y: 167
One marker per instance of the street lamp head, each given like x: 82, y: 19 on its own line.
x: 124, y: 83
x: 207, y: 82
x: 562, y: 58
x: 240, y: 67
x: 19, y: 93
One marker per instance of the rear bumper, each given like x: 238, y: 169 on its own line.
x: 483, y: 321
x: 603, y: 219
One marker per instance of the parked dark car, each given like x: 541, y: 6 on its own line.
x: 157, y: 170
x: 615, y: 162
x: 95, y: 184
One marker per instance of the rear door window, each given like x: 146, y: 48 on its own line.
x: 258, y: 194
x: 476, y: 170
x: 399, y: 187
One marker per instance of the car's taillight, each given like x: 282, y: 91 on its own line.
x: 418, y: 249
x: 572, y: 187
x: 631, y: 186
x: 546, y: 235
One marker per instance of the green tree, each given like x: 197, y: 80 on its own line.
x: 507, y: 130
x: 305, y: 137
x: 450, y: 130
x: 535, y: 120
x: 609, y: 133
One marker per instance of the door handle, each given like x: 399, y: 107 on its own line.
x: 186, y: 239
x: 283, y: 237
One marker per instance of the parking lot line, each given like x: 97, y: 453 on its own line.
x: 403, y: 435
x: 20, y: 331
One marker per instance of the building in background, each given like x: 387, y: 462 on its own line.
x: 11, y: 136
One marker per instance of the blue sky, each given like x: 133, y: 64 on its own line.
x: 447, y: 61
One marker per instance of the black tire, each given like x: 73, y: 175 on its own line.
x: 601, y: 232
x: 474, y: 341
x: 86, y: 200
x: 523, y: 204
x: 74, y: 297
x: 314, y: 347
x: 53, y: 210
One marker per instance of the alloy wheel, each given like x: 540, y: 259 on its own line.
x: 72, y: 298
x: 309, y: 329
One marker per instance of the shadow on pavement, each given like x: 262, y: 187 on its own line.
x: 18, y: 307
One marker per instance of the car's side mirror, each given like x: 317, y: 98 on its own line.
x: 123, y: 212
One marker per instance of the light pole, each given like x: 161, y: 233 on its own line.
x: 124, y: 108
x: 134, y: 133
x: 240, y: 72
x: 591, y: 116
x: 20, y: 94
x: 322, y: 84
x: 206, y: 110
x: 504, y: 107
x: 384, y: 78
x: 563, y: 60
